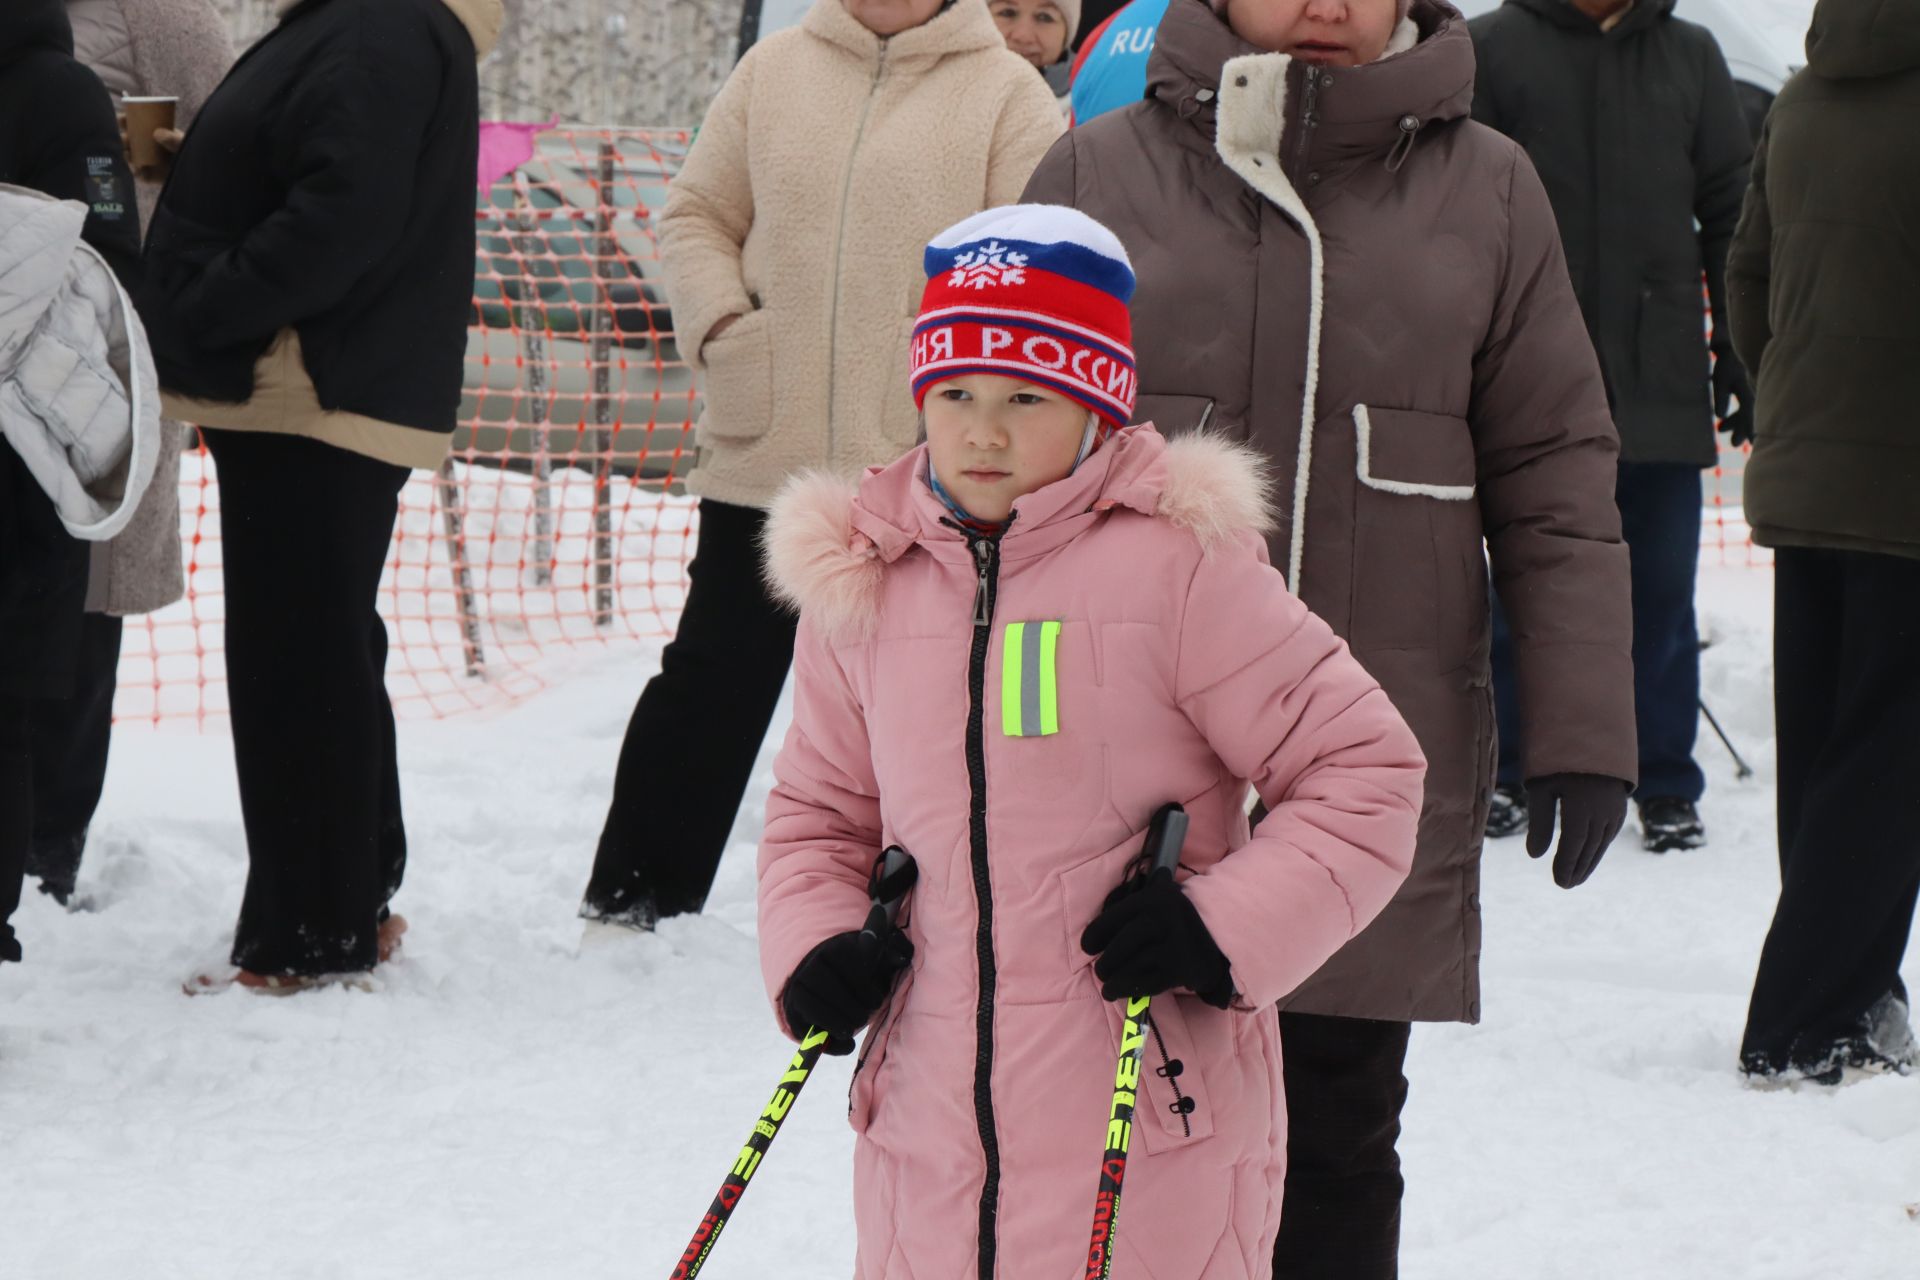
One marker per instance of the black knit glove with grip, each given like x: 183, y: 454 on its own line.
x: 843, y: 982
x: 1591, y: 807
x: 1149, y: 938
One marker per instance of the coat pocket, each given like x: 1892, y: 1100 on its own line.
x: 739, y: 381
x: 899, y: 421
x: 1672, y: 342
x: 862, y: 1094
x: 1418, y: 564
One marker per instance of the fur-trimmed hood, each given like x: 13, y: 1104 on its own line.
x: 828, y: 541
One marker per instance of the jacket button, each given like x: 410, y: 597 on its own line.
x: 1240, y: 82
x: 1314, y: 178
x: 1326, y: 81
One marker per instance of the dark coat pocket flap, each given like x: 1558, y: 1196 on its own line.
x: 1428, y: 455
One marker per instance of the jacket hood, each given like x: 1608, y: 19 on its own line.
x: 27, y: 25
x: 828, y: 541
x: 482, y: 19
x: 79, y: 399
x: 959, y: 28
x: 1644, y: 14
x: 1432, y: 81
x: 1863, y: 39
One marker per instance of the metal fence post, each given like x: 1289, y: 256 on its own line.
x: 455, y: 522
x: 606, y: 256
x: 534, y: 348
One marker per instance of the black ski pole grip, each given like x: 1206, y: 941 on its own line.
x: 893, y: 878
x: 1166, y: 836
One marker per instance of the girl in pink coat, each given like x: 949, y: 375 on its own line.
x: 1016, y: 644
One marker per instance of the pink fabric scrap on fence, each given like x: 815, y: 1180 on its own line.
x: 505, y: 146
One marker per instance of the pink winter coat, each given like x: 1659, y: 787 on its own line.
x: 1182, y: 669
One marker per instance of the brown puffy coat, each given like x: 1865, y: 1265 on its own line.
x: 1341, y: 267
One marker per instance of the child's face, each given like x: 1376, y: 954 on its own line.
x: 995, y: 439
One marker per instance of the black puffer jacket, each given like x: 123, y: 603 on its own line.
x: 58, y: 136
x: 327, y: 187
x: 1826, y: 290
x: 1636, y: 131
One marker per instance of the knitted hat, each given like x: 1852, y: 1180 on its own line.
x: 1070, y: 13
x: 1037, y: 292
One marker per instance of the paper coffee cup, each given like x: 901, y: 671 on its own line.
x: 144, y: 115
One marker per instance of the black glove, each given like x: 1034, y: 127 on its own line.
x: 843, y: 982
x: 1730, y: 383
x: 1149, y: 938
x: 1592, y: 809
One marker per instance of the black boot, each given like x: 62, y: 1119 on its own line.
x: 1507, y: 814
x: 1668, y: 822
x: 56, y: 863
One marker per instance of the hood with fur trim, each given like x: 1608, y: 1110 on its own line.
x: 828, y: 541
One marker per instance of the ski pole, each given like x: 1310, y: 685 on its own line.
x: 1741, y: 769
x: 893, y: 876
x: 1165, y: 835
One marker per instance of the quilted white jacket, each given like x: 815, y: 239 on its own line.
x: 79, y: 401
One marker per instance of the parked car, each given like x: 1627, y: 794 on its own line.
x: 1764, y: 42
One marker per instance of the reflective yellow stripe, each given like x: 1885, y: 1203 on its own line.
x: 1010, y: 679
x: 1029, y: 688
x: 1049, y: 687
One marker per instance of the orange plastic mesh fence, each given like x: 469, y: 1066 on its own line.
x: 559, y: 520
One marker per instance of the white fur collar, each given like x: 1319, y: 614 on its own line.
x: 1405, y: 37
x: 817, y: 563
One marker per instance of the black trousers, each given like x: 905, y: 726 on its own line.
x: 16, y: 812
x: 1346, y: 1087
x: 305, y: 529
x: 691, y: 744
x: 1846, y: 632
x: 71, y: 738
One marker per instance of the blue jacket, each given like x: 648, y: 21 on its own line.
x: 1112, y: 71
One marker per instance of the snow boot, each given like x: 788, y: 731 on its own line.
x: 1668, y: 823
x: 1890, y: 1033
x: 1507, y: 812
x: 640, y: 917
x: 56, y: 864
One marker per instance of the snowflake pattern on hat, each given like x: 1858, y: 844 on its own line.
x: 990, y: 265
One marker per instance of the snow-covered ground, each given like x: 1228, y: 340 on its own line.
x: 512, y: 1103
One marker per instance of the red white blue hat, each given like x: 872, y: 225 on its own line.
x: 1037, y: 292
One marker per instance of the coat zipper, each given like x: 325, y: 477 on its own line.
x: 984, y: 549
x: 1309, y: 117
x: 840, y: 244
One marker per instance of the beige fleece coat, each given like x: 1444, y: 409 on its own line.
x: 145, y: 48
x: 828, y: 161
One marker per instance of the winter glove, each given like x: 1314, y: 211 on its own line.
x: 1149, y: 938
x: 843, y: 982
x: 1730, y: 383
x: 1592, y: 809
